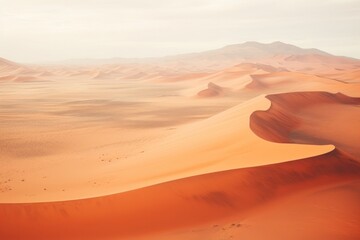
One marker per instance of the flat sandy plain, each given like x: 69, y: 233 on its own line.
x: 251, y: 141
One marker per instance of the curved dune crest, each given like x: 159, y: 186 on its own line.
x: 310, y: 117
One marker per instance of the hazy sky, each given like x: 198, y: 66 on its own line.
x: 41, y: 30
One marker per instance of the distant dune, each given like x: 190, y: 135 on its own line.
x: 212, y: 90
x: 346, y: 76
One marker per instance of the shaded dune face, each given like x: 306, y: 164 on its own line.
x: 255, y: 84
x: 197, y: 200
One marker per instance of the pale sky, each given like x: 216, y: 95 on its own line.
x: 51, y: 30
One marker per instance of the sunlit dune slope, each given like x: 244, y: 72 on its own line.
x: 219, y: 143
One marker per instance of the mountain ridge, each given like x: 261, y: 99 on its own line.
x: 273, y: 48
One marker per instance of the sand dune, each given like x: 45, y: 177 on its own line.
x: 207, y: 200
x: 227, y: 75
x: 265, y: 79
x: 214, y: 144
x: 212, y: 90
x: 234, y: 79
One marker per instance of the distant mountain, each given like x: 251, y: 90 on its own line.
x: 252, y: 51
x: 277, y: 54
